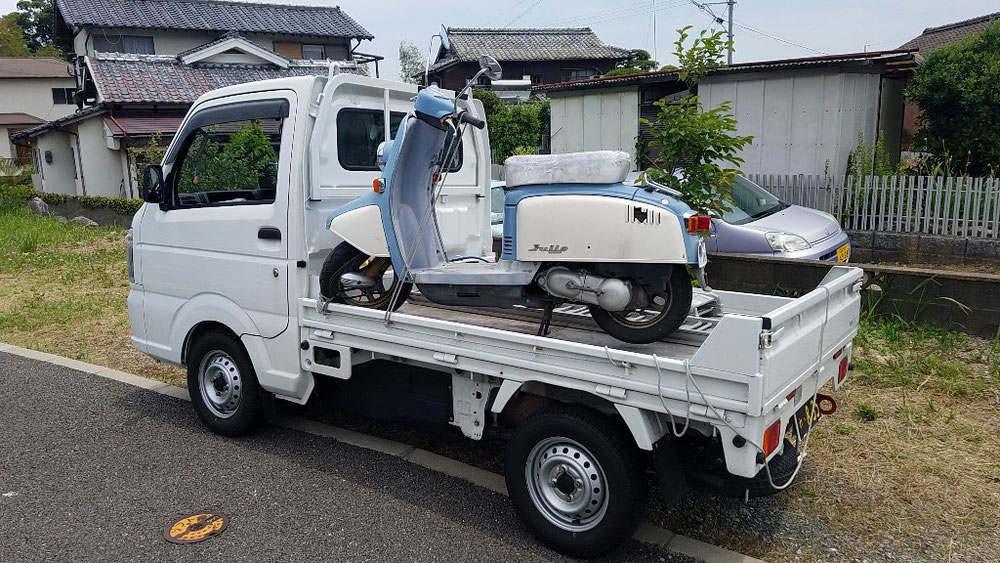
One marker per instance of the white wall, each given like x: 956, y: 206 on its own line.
x: 167, y: 42
x: 33, y: 96
x: 101, y: 166
x: 58, y: 176
x: 6, y: 149
x: 799, y: 122
x: 595, y: 120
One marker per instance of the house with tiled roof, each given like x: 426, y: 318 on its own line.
x: 34, y: 91
x: 539, y: 55
x: 930, y: 39
x: 140, y: 64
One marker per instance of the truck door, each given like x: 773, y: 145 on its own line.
x: 218, y: 246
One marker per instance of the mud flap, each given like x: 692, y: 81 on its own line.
x: 669, y: 473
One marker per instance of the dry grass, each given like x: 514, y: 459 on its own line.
x: 926, y: 471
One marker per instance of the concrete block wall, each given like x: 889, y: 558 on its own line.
x: 960, y: 301
x: 876, y: 246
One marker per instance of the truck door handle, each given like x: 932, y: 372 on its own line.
x: 269, y: 233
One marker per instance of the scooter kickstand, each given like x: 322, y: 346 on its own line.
x: 543, y: 328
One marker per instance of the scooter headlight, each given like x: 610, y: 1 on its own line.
x: 786, y: 242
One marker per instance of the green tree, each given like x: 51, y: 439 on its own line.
x: 246, y: 162
x: 411, y: 63
x: 639, y: 61
x: 958, y: 91
x: 37, y: 20
x: 12, y: 43
x: 693, y: 145
x: 514, y: 129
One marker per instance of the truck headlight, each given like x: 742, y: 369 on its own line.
x: 785, y: 242
x: 128, y: 256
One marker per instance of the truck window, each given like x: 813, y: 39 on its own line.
x: 234, y: 162
x: 359, y: 133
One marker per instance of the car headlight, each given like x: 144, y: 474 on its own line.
x: 786, y: 242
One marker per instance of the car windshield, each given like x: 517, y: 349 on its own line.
x: 750, y: 202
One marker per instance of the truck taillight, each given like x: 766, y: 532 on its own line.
x: 129, y: 260
x: 698, y: 223
x: 842, y: 370
x: 772, y: 437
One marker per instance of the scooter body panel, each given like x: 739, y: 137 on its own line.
x: 596, y: 223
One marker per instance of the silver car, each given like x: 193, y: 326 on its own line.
x: 758, y: 223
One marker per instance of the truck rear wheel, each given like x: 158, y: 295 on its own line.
x: 576, y: 480
x: 346, y: 258
x: 223, y: 385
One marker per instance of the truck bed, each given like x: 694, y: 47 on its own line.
x: 743, y: 359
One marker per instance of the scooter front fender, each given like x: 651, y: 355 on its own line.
x: 360, y: 223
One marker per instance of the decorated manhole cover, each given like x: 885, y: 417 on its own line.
x: 196, y: 528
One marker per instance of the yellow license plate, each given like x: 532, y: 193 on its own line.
x: 844, y: 253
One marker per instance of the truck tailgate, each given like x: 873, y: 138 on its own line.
x: 800, y: 337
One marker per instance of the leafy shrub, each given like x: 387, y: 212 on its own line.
x: 121, y: 206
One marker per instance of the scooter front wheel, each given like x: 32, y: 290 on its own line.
x: 665, y: 313
x: 345, y: 259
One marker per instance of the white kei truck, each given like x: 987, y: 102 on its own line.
x: 224, y: 261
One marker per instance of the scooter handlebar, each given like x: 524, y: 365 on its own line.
x: 466, y: 117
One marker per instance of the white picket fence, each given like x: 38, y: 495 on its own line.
x: 959, y: 206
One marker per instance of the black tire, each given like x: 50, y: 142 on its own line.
x: 678, y: 293
x: 616, y: 464
x: 221, y: 353
x: 345, y: 258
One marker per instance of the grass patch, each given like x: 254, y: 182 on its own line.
x: 63, y: 289
x: 866, y: 412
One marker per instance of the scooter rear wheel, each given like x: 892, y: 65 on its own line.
x: 666, y: 312
x: 344, y: 259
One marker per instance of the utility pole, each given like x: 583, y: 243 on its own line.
x: 730, y: 22
x: 652, y: 7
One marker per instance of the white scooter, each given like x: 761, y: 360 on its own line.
x: 573, y: 232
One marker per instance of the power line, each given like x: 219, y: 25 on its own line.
x: 531, y: 7
x: 616, y: 15
x: 504, y: 11
x: 778, y: 39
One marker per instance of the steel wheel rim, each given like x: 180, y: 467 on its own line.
x: 220, y: 382
x: 643, y: 318
x: 380, y: 270
x: 566, y: 484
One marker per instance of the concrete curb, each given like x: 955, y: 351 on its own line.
x: 646, y: 533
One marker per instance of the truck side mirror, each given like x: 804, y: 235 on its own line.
x: 152, y: 183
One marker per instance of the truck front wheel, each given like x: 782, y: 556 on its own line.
x: 223, y: 385
x: 576, y: 480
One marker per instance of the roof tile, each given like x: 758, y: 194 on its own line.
x: 212, y: 15
x: 529, y: 44
x: 122, y: 78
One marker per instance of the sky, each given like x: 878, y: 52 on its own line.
x: 764, y: 29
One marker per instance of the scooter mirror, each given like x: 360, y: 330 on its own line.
x: 380, y: 155
x: 491, y: 66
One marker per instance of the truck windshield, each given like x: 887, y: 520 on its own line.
x: 750, y: 202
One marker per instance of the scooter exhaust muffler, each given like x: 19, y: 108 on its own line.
x: 609, y: 294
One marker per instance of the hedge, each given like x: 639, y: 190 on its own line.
x: 121, y: 206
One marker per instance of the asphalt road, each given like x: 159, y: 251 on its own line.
x: 94, y: 470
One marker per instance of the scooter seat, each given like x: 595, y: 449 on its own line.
x: 591, y: 167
